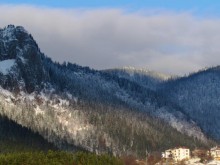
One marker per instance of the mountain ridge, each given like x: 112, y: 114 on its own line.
x: 99, y: 111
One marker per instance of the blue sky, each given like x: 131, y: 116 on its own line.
x: 200, y: 6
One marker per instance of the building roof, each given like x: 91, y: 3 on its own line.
x: 176, y: 148
x: 215, y: 148
x: 180, y: 148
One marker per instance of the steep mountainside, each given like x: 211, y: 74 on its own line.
x: 199, y: 96
x: 100, y: 111
x: 21, y: 63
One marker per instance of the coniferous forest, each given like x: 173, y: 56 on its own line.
x: 45, y: 105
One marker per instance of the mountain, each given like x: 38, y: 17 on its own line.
x: 21, y: 58
x: 199, y: 96
x: 146, y: 78
x: 112, y: 111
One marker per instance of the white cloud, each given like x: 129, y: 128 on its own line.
x: 175, y: 43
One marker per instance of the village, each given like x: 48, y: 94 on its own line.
x: 184, y: 156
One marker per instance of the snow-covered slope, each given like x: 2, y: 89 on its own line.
x: 6, y: 65
x: 21, y: 63
x: 100, y: 111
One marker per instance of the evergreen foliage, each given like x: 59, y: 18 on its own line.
x: 15, y: 138
x: 117, y: 112
x: 57, y: 158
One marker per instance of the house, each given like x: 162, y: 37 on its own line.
x: 215, y: 152
x: 177, y: 154
x: 181, y: 153
x: 167, y: 154
x: 199, y: 152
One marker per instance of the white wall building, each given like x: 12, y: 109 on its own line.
x: 177, y: 154
x: 215, y: 152
x: 167, y: 154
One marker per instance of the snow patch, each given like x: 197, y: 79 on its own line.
x: 24, y: 61
x: 6, y: 65
x: 9, y: 33
x: 38, y: 111
x: 6, y: 93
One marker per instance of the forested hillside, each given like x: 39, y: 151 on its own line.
x: 113, y: 111
x: 15, y: 138
x: 199, y: 96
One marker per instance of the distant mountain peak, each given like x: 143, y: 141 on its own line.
x: 139, y: 72
x: 11, y: 28
x: 11, y: 32
x: 148, y: 72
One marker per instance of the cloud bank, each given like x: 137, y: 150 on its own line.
x: 174, y: 43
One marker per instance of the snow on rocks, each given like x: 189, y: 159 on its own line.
x: 39, y: 111
x: 6, y: 65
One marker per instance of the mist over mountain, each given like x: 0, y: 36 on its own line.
x: 143, y: 77
x: 117, y: 111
